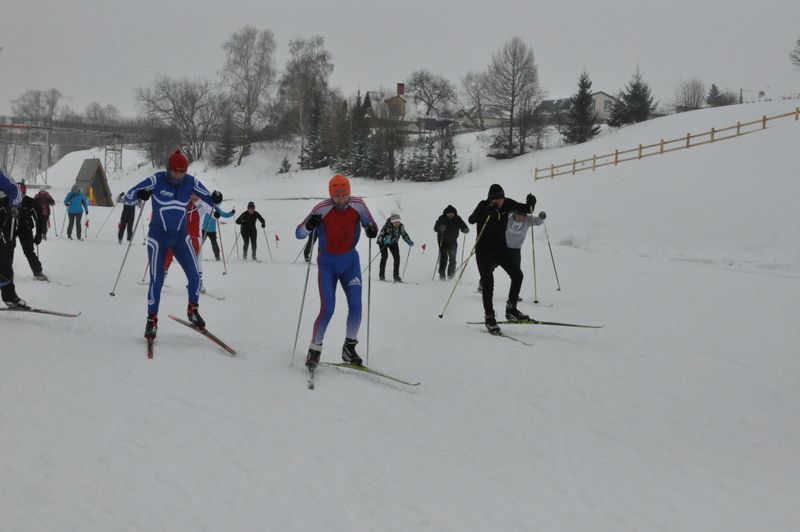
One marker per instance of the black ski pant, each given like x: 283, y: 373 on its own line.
x: 45, y: 225
x: 28, y: 248
x: 6, y: 272
x: 249, y: 239
x: 214, y: 246
x: 395, y: 249
x: 74, y: 219
x: 447, y: 259
x: 488, y: 260
x: 125, y: 223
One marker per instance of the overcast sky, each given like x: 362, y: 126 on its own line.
x: 102, y: 50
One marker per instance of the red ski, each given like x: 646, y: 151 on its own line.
x: 205, y: 333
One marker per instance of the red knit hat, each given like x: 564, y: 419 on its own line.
x: 178, y: 162
x: 338, y: 183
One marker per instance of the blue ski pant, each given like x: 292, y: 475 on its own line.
x: 158, y: 242
x: 344, y: 269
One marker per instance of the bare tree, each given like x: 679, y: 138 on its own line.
x: 304, y: 80
x: 191, y: 106
x: 102, y: 115
x: 474, y: 85
x: 512, y: 79
x: 431, y: 89
x: 689, y: 95
x: 37, y: 105
x: 794, y: 55
x: 248, y: 73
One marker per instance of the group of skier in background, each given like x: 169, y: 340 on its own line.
x: 184, y: 214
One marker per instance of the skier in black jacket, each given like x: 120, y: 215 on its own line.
x: 491, y: 217
x: 30, y: 219
x: 249, y: 232
x: 447, y: 228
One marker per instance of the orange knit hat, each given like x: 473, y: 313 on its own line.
x: 338, y: 183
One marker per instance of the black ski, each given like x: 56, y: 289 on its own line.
x: 41, y: 311
x: 539, y: 322
x: 365, y: 369
x: 311, y: 378
x: 150, y: 342
x: 504, y: 335
x: 205, y: 333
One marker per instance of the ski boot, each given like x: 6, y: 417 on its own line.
x: 39, y: 276
x: 312, y: 360
x: 349, y: 354
x: 512, y: 314
x: 491, y: 324
x: 151, y: 328
x: 11, y: 299
x: 397, y: 279
x: 194, y: 316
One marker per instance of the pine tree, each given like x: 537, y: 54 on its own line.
x: 581, y: 121
x: 224, y: 150
x: 312, y: 154
x: 450, y: 160
x: 634, y: 103
x: 286, y: 166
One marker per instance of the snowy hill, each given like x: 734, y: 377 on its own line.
x: 680, y: 414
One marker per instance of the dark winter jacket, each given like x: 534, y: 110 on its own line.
x: 248, y: 222
x: 447, y: 229
x: 30, y: 217
x: 45, y: 201
x: 493, y: 236
x: 391, y: 235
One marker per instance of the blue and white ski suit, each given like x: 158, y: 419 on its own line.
x: 168, y: 230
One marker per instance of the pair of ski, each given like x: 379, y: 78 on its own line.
x: 530, y: 322
x: 41, y: 311
x: 356, y: 367
x: 204, y: 332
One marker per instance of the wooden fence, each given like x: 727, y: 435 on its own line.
x: 690, y: 140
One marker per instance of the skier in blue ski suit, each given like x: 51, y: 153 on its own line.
x: 7, y: 290
x: 337, y: 222
x: 171, y: 190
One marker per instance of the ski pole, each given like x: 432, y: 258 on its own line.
x: 369, y: 294
x: 268, y: 248
x: 222, y: 248
x: 370, y: 263
x: 146, y: 269
x: 302, y: 302
x: 235, y: 245
x: 533, y: 260
x: 551, y: 256
x: 64, y: 221
x: 406, y: 264
x: 302, y: 248
x: 144, y: 233
x: 86, y: 228
x: 112, y: 294
x: 438, y: 256
x: 464, y: 265
x: 463, y: 246
x: 53, y: 216
x: 107, y: 217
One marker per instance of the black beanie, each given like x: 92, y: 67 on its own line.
x: 496, y: 191
x: 450, y: 208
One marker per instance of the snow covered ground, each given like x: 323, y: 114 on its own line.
x: 680, y: 414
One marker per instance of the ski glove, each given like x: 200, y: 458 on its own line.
x: 313, y: 221
x: 14, y: 212
x: 37, y: 239
x: 216, y: 215
x: 263, y: 226
x: 216, y: 196
x: 442, y: 228
x: 542, y: 215
x: 531, y: 201
x: 143, y: 194
x: 371, y: 231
